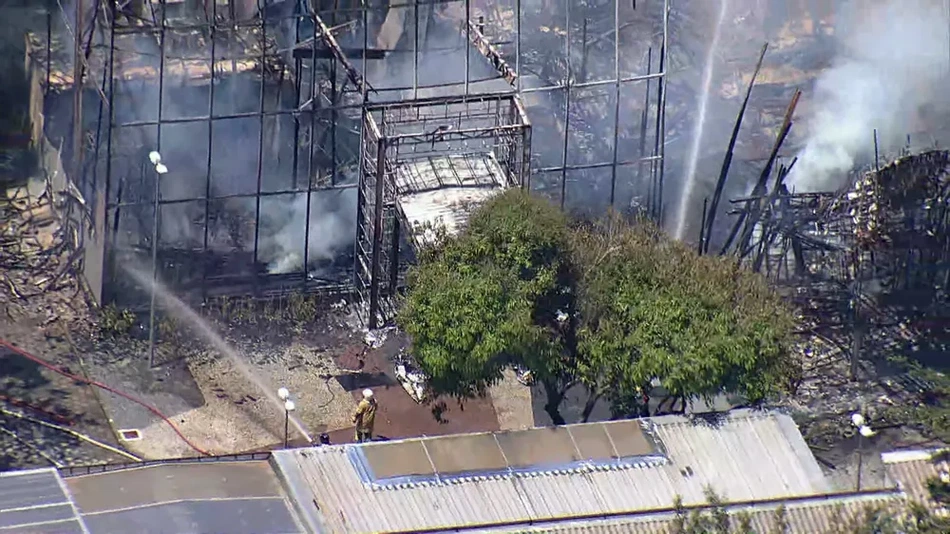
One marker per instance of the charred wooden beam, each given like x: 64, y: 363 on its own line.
x: 491, y: 53
x: 727, y: 160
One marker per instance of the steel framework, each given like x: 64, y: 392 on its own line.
x: 260, y: 112
x: 405, y: 145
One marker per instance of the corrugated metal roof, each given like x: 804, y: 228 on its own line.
x: 744, y: 456
x: 812, y: 516
x: 234, y: 497
x: 911, y: 470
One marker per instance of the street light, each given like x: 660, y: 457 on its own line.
x: 864, y: 432
x: 288, y: 407
x: 283, y: 394
x: 155, y: 158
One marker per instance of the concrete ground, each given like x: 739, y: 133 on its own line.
x: 223, y: 411
x: 216, y: 405
x: 512, y: 401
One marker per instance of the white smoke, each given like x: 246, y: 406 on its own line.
x: 892, y: 53
x: 332, y: 226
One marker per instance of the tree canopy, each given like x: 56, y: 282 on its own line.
x: 613, y: 305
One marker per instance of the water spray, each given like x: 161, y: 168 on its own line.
x: 692, y: 162
x: 201, y: 327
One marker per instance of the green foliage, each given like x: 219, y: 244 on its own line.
x: 652, y: 309
x: 613, y: 305
x: 301, y: 309
x: 114, y: 322
x: 489, y: 297
x: 939, y: 490
x: 296, y: 310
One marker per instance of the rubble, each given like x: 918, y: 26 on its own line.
x: 868, y: 267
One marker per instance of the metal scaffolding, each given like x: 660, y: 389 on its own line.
x: 422, y: 161
x: 263, y: 115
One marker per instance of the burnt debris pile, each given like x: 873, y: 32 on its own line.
x: 870, y: 259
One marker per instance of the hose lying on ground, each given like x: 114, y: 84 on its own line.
x: 73, y: 433
x: 110, y: 389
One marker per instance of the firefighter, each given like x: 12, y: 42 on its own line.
x: 365, y: 416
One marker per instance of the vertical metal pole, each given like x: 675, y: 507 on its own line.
x: 657, y: 141
x: 298, y: 67
x: 415, y: 50
x: 364, y: 90
x: 204, y: 251
x: 877, y: 155
x: 468, y: 42
x: 702, y: 229
x: 377, y: 229
x: 286, y: 428
x: 108, y: 185
x: 313, y: 121
x: 860, y: 459
x: 567, y: 109
x: 662, y: 111
x: 518, y: 47
x: 360, y: 197
x: 334, y: 116
x: 394, y: 260
x: 157, y: 194
x: 260, y: 136
x: 77, y: 98
x: 613, y: 168
x: 49, y: 47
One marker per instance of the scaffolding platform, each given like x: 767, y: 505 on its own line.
x: 425, y: 164
x: 440, y: 192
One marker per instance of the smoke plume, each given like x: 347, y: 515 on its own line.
x: 332, y: 227
x: 891, y: 54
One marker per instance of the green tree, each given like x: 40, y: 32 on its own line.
x: 491, y: 296
x: 611, y: 305
x: 651, y: 309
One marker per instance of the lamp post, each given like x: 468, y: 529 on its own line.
x: 156, y: 159
x: 864, y: 432
x: 284, y: 395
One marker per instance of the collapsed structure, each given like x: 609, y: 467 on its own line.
x: 870, y: 259
x: 301, y: 142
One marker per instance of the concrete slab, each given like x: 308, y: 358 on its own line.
x: 512, y: 402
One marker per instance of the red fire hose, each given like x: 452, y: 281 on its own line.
x: 38, y: 361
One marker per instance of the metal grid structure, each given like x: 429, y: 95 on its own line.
x: 870, y: 259
x: 396, y: 137
x: 256, y: 108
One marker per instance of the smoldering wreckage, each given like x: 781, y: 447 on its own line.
x: 867, y: 263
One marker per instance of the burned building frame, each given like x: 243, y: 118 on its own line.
x: 870, y: 261
x: 265, y: 117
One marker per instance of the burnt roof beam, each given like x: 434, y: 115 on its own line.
x: 330, y: 41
